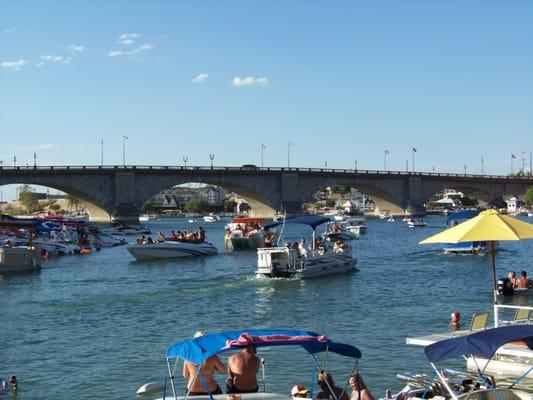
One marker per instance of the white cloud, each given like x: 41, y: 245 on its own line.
x: 200, y: 78
x: 128, y: 38
x: 249, y: 81
x: 117, y: 53
x: 39, y: 64
x: 56, y: 59
x: 47, y: 146
x: 76, y: 48
x: 9, y: 30
x: 14, y: 65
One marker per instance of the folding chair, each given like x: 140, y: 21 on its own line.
x: 479, y: 321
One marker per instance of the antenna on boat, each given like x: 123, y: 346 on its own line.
x: 282, y: 228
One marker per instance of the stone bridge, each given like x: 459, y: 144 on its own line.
x: 117, y: 192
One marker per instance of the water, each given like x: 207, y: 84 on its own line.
x: 97, y: 327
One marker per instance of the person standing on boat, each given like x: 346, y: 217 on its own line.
x: 242, y: 372
x: 195, y: 385
x: 302, y: 251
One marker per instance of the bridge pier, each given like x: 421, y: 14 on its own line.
x: 126, y: 209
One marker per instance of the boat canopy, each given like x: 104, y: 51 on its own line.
x: 312, y: 220
x: 483, y: 344
x: 199, y: 349
x: 243, y: 220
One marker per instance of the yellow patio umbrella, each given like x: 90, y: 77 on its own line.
x: 489, y: 226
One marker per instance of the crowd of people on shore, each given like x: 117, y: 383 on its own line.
x: 242, y: 369
x: 180, y: 236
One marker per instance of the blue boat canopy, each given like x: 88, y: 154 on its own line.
x: 483, y: 344
x: 312, y: 220
x: 199, y: 349
x: 462, y: 214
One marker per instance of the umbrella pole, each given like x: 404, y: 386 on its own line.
x: 493, y: 259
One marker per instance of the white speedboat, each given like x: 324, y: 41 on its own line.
x: 327, y: 259
x: 385, y: 215
x: 171, y: 249
x: 211, y: 218
x: 355, y: 225
x: 416, y: 223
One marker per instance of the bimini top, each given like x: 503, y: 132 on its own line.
x: 462, y: 214
x: 312, y: 220
x: 199, y: 349
x: 483, y: 344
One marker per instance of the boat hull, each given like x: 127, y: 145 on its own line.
x: 171, y: 250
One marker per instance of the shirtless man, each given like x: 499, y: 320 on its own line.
x: 207, y: 369
x: 242, y: 371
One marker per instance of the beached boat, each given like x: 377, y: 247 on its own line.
x: 171, y: 249
x: 196, y: 351
x: 328, y: 258
x: 481, y: 348
x: 244, y: 234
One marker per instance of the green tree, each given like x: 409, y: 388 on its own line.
x: 469, y: 202
x: 528, y: 198
x: 72, y: 202
x: 197, y: 206
x: 28, y: 199
x: 229, y: 206
x: 56, y: 207
x: 147, y: 206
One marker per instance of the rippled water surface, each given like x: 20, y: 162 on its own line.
x: 97, y: 326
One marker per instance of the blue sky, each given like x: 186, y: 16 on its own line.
x: 342, y: 80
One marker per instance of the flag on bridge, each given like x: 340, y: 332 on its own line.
x: 513, y: 156
x: 414, y: 150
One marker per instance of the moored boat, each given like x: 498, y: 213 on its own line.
x: 355, y: 225
x: 244, y: 234
x: 22, y: 258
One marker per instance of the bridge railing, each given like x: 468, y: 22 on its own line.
x: 27, y: 168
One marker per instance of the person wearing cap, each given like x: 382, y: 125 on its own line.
x: 195, y: 386
x: 299, y: 391
x: 359, y: 389
x: 242, y: 372
x: 329, y: 390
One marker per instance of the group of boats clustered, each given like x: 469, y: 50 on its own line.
x: 505, y: 348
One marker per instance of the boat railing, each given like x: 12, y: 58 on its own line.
x: 504, y: 314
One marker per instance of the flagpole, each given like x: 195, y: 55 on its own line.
x: 413, y: 160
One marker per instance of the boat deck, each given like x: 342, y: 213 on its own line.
x: 243, y: 396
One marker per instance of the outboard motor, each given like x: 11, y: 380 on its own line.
x: 505, y: 287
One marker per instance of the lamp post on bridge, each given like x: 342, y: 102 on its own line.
x: 34, y: 160
x: 355, y: 165
x: 211, y: 157
x: 263, y: 147
x: 185, y: 159
x: 124, y: 138
x: 482, y: 169
x: 413, y: 159
x: 385, y: 159
x: 14, y: 161
x: 289, y: 144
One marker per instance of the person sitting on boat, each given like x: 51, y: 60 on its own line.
x: 338, y: 246
x: 299, y: 392
x: 242, y: 372
x: 359, y: 389
x: 268, y: 240
x: 302, y: 251
x: 172, y: 236
x: 329, y: 390
x: 195, y: 384
x: 8, y: 244
x: 149, y: 240
x: 523, y: 282
x: 160, y: 237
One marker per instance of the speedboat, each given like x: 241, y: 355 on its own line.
x: 385, y: 215
x: 211, y: 218
x: 416, y: 223
x: 328, y: 258
x: 171, y: 249
x: 480, y: 347
x: 244, y: 234
x: 196, y: 351
x: 355, y: 225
